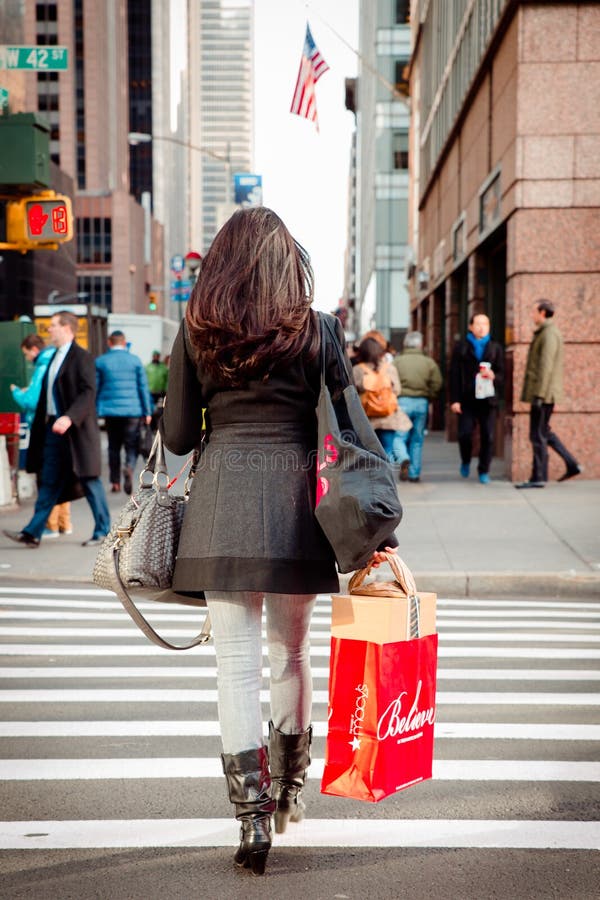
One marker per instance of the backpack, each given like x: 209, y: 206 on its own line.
x: 378, y: 398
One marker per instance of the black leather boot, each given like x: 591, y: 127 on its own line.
x: 290, y: 758
x: 249, y: 786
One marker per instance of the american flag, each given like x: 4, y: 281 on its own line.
x: 312, y: 66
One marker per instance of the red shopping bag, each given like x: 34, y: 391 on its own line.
x: 381, y: 717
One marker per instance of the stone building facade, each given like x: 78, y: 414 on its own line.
x: 505, y: 196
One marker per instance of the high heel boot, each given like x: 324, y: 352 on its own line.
x: 249, y: 786
x: 290, y: 758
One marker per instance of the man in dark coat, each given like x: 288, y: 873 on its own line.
x: 64, y: 449
x: 476, y: 356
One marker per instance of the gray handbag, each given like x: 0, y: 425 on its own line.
x: 138, y: 554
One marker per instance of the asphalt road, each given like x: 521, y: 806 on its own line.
x: 111, y: 785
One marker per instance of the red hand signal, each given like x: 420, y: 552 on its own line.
x: 36, y: 218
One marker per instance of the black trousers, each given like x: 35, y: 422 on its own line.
x: 542, y: 437
x: 122, y: 431
x: 482, y: 413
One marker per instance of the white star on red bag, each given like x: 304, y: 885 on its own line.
x: 355, y: 743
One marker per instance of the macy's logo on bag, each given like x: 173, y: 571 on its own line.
x: 330, y: 456
x: 393, y: 723
x: 358, y: 716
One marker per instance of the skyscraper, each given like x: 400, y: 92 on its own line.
x: 88, y: 110
x: 220, y: 109
x: 381, y: 195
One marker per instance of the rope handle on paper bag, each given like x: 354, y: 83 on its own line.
x: 403, y: 586
x: 404, y: 577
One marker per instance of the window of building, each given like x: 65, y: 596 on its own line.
x: 45, y: 12
x: 400, y: 150
x: 47, y: 40
x: 98, y: 289
x: 79, y: 93
x: 47, y: 102
x: 402, y: 12
x: 94, y: 240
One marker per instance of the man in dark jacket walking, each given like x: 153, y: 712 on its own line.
x: 476, y: 357
x: 64, y: 449
x: 123, y: 399
x: 543, y: 387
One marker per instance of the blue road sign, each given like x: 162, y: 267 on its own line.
x: 177, y: 263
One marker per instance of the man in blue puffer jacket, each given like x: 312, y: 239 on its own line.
x: 122, y: 398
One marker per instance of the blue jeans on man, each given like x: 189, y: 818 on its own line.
x: 410, y: 443
x: 57, y: 472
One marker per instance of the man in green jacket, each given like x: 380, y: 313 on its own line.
x: 542, y: 388
x: 157, y: 374
x: 420, y: 382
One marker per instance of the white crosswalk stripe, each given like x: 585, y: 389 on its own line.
x: 533, y: 685
x: 194, y: 727
x: 202, y: 672
x: 176, y: 767
x: 506, y: 833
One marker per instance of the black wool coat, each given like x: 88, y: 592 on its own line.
x: 75, y: 387
x: 250, y: 524
x: 464, y: 366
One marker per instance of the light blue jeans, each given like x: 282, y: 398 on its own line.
x: 410, y: 443
x: 236, y: 618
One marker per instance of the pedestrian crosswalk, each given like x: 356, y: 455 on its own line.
x: 86, y: 700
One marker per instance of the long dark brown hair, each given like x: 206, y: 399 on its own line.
x: 250, y: 308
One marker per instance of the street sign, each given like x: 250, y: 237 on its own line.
x: 3, y: 97
x: 248, y: 189
x: 39, y: 59
x: 177, y: 263
x: 181, y: 290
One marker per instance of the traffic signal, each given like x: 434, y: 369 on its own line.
x: 40, y: 222
x: 152, y: 298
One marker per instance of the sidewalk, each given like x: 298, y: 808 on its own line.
x: 460, y: 538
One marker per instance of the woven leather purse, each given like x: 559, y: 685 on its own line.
x: 138, y: 554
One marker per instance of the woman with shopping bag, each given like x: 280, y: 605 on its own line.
x: 249, y: 353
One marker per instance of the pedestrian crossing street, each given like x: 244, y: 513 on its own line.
x: 95, y: 720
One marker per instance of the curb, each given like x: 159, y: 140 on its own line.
x: 568, y: 585
x: 502, y: 584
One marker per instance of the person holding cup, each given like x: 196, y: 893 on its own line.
x: 476, y: 383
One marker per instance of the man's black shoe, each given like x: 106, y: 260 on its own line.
x: 530, y: 484
x: 21, y: 537
x: 94, y: 541
x: 571, y: 472
x: 414, y: 480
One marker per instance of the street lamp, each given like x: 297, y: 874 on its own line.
x: 138, y: 137
x: 55, y: 295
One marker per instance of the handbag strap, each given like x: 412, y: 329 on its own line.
x: 142, y: 623
x: 328, y: 336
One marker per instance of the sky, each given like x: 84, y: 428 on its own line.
x: 305, y: 172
